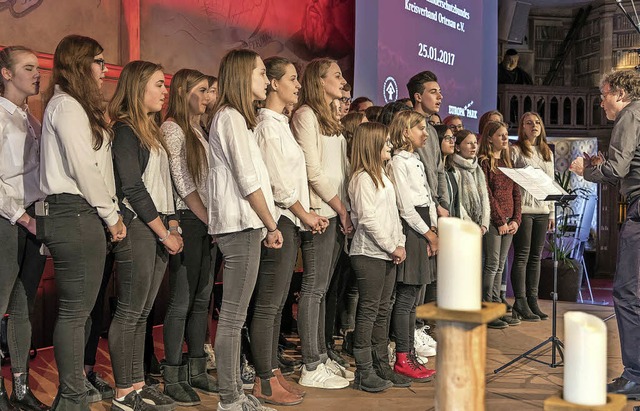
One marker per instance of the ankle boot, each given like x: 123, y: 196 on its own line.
x: 292, y: 388
x: 503, y: 298
x: 408, y: 365
x: 510, y: 320
x: 177, y: 387
x: 366, y: 378
x: 383, y: 369
x: 521, y: 310
x: 270, y: 391
x: 200, y: 379
x: 22, y: 397
x: 5, y: 405
x: 533, y: 304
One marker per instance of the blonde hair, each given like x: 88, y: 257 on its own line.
x: 312, y: 94
x: 234, y: 84
x: 7, y: 60
x: 541, y: 141
x: 181, y: 84
x: 350, y: 123
x: 404, y: 121
x: 368, y: 142
x: 485, y: 152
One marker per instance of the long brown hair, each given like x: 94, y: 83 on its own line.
x: 7, y: 56
x: 312, y: 94
x: 181, y: 84
x: 350, y: 122
x: 541, y: 141
x: 404, y: 121
x: 485, y: 152
x: 127, y: 104
x: 72, y: 72
x: 368, y: 141
x: 234, y: 84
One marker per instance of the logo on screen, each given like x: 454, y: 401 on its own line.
x: 390, y: 90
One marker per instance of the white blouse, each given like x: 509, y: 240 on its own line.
x: 285, y: 162
x: 378, y: 231
x: 412, y: 190
x: 236, y: 170
x: 19, y: 160
x: 68, y: 162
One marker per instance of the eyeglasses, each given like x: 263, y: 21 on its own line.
x: 456, y: 127
x: 346, y: 100
x: 450, y: 139
x: 100, y: 62
x: 434, y: 123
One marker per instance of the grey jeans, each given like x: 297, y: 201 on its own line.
x: 496, y: 248
x: 141, y: 262
x: 319, y: 256
x: 241, y: 252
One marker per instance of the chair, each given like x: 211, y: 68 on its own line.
x: 581, y: 236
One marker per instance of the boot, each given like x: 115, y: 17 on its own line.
x: 22, y: 397
x: 5, y: 405
x: 503, y: 298
x: 177, y: 387
x: 383, y: 369
x: 521, y: 310
x: 511, y: 320
x: 366, y: 378
x: 200, y: 379
x: 335, y: 356
x: 407, y: 365
x: 533, y: 304
x: 271, y: 392
x: 498, y: 324
x: 347, y: 344
x: 292, y: 388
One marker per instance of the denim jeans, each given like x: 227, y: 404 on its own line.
x: 97, y: 313
x: 341, y: 299
x: 376, y: 279
x: 272, y: 287
x: 141, y: 261
x: 496, y: 248
x: 241, y: 252
x: 190, y: 285
x: 527, y: 247
x: 404, y: 315
x: 319, y: 256
x: 75, y: 236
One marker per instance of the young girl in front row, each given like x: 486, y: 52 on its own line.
x: 377, y: 246
x: 419, y: 219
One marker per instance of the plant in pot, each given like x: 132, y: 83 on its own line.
x: 561, y: 243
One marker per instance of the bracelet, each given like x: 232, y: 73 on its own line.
x: 165, y: 237
x: 272, y: 231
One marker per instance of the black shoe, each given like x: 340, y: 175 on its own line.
x: 103, y: 387
x: 286, y: 344
x: 522, y: 311
x: 131, y: 401
x: 498, y: 324
x: 347, y: 343
x: 503, y: 300
x: 93, y: 395
x: 369, y: 381
x: 155, y: 369
x: 287, y: 360
x: 156, y: 399
x: 623, y: 386
x: 199, y: 379
x: 5, y: 405
x: 335, y: 356
x: 151, y: 381
x: 22, y: 398
x: 176, y: 385
x: 510, y: 320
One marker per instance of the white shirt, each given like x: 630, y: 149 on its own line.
x: 157, y: 181
x: 19, y: 160
x: 236, y: 170
x: 182, y: 179
x: 326, y: 161
x: 412, y: 190
x: 285, y: 162
x: 68, y: 162
x: 378, y: 231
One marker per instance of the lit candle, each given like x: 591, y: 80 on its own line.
x: 585, y: 359
x: 459, y: 265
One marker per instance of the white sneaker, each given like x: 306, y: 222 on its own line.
x: 429, y: 339
x: 391, y: 350
x: 245, y: 403
x: 211, y: 357
x: 422, y: 348
x: 339, y: 370
x: 321, y: 377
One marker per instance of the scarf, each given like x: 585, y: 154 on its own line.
x: 470, y: 182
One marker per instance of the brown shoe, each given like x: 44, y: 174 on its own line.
x: 292, y: 388
x: 270, y: 391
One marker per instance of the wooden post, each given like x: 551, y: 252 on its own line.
x: 461, y: 354
x: 130, y: 31
x: 615, y: 402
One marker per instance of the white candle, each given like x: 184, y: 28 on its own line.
x: 585, y: 359
x: 459, y: 265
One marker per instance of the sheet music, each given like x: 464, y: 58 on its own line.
x: 535, y: 181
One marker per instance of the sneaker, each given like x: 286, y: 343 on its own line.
x: 339, y: 370
x: 131, y: 402
x: 421, y: 346
x: 211, y: 357
x: 247, y: 373
x: 103, y: 387
x: 155, y: 398
x: 93, y: 395
x: 391, y: 350
x: 428, y: 338
x: 321, y: 377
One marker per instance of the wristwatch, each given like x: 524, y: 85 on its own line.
x: 177, y: 229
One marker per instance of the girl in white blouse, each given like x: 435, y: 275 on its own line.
x: 19, y: 189
x: 419, y: 220
x: 76, y: 175
x: 376, y: 249
x: 190, y: 279
x: 242, y: 212
x: 319, y: 133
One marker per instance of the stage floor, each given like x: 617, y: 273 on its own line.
x: 523, y: 386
